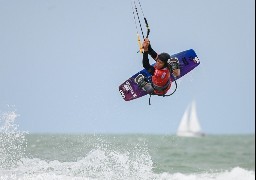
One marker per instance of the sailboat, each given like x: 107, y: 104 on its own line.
x: 189, y: 125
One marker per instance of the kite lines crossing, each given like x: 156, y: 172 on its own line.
x: 136, y: 16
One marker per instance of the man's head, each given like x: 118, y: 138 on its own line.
x: 162, y: 60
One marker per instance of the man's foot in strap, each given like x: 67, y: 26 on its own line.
x: 140, y: 80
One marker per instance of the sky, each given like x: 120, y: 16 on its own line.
x: 62, y: 61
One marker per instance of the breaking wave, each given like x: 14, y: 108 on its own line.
x: 98, y: 165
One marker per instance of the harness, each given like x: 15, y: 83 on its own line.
x: 162, y: 88
x: 176, y: 86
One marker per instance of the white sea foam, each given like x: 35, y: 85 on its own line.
x: 13, y: 141
x: 236, y: 173
x: 98, y: 165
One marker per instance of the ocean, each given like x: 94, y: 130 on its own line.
x: 25, y: 156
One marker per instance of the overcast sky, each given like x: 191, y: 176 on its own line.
x: 61, y: 63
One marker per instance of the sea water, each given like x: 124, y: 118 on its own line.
x: 25, y: 156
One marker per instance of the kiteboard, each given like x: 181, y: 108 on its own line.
x: 130, y: 90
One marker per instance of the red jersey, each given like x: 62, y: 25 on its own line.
x: 161, y: 81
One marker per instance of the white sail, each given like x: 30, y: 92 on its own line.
x: 194, y: 123
x: 189, y: 125
x: 184, y: 127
